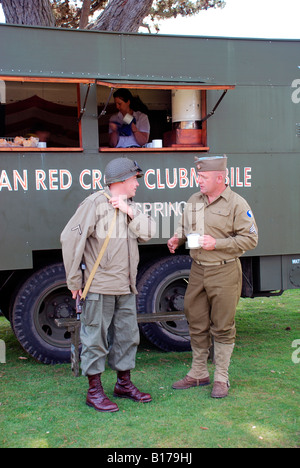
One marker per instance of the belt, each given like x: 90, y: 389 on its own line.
x: 223, y: 262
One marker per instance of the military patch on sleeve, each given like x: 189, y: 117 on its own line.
x: 77, y: 228
x: 252, y: 230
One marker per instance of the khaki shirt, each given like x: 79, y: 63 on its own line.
x: 84, y: 236
x: 228, y: 219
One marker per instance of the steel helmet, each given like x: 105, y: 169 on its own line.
x: 121, y: 169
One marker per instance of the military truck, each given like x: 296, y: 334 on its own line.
x: 204, y: 95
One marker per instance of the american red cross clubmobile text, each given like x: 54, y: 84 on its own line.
x: 92, y: 179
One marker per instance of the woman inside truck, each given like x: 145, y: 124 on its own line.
x: 130, y: 127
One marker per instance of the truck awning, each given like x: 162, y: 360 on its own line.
x: 130, y: 84
x: 135, y: 84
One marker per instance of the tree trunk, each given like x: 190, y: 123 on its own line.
x: 123, y: 15
x: 84, y: 18
x: 31, y: 12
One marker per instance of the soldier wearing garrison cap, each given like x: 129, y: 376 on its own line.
x: 108, y: 322
x: 214, y: 289
x: 215, y: 163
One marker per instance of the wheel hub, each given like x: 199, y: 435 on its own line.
x: 177, y: 301
x: 63, y: 310
x: 54, y: 305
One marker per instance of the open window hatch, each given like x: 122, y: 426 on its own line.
x: 177, y: 112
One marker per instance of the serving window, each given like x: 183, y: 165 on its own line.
x: 39, y: 116
x: 177, y: 115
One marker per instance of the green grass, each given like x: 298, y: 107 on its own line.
x: 44, y: 406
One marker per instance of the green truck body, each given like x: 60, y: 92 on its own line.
x: 64, y: 78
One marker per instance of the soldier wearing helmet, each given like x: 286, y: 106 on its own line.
x: 109, y: 327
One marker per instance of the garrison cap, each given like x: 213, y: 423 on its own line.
x: 211, y: 163
x: 121, y: 169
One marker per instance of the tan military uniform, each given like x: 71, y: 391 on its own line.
x: 228, y: 219
x: 108, y: 321
x: 84, y: 236
x: 216, y: 276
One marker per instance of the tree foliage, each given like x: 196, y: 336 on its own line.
x: 163, y: 9
x: 112, y: 15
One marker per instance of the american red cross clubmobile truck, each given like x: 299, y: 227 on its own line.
x: 203, y: 95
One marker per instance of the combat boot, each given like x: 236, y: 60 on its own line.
x: 125, y: 389
x: 96, y: 397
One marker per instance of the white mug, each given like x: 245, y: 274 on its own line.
x: 127, y: 119
x: 194, y: 241
x: 157, y: 143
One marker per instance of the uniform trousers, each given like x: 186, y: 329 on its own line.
x: 109, y: 330
x: 211, y: 299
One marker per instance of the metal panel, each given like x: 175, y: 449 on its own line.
x: 258, y: 119
x: 58, y: 53
x: 93, y: 54
x: 273, y: 196
x: 90, y: 139
x: 270, y: 273
x: 280, y: 272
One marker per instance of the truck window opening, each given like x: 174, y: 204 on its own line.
x: 177, y: 114
x: 38, y: 116
x: 172, y: 127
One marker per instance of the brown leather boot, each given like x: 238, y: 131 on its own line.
x: 220, y: 390
x: 96, y: 397
x: 125, y: 389
x: 189, y: 382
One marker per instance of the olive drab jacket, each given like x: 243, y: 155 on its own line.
x: 84, y: 236
x: 228, y: 219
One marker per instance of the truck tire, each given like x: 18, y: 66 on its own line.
x: 42, y: 298
x: 162, y: 288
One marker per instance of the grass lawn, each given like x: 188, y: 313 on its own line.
x: 44, y: 406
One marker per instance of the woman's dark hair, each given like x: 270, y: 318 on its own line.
x: 135, y: 102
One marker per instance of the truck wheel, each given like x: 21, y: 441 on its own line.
x: 41, y: 299
x: 161, y: 289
